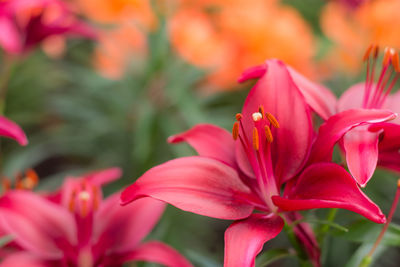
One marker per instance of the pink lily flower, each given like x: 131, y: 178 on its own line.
x: 25, y: 23
x: 365, y: 143
x: 76, y: 227
x: 11, y: 130
x: 233, y: 177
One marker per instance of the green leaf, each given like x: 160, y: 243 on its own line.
x: 360, y: 254
x: 4, y: 240
x: 367, y: 232
x: 272, y: 255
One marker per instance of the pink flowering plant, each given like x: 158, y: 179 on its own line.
x: 75, y: 226
x: 273, y: 147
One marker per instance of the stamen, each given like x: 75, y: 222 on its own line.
x: 368, y: 52
x: 376, y: 51
x: 274, y: 122
x: 256, y: 140
x: 235, y: 131
x: 268, y: 134
x: 238, y: 116
x: 261, y: 111
x: 387, y: 56
x: 395, y: 62
x: 257, y: 116
x: 96, y: 201
x: 71, y: 205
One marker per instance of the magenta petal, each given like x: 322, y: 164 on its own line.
x: 197, y: 184
x: 361, y: 147
x: 10, y: 39
x: 11, y: 130
x: 390, y: 138
x: 327, y: 185
x: 279, y: 95
x: 336, y: 126
x: 320, y: 99
x: 157, y: 252
x: 37, y: 224
x: 104, y: 176
x: 245, y: 239
x: 352, y: 97
x: 23, y: 259
x: 209, y: 141
x: 253, y: 73
x: 120, y: 229
x: 390, y: 160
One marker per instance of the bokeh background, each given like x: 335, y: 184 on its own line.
x: 156, y: 68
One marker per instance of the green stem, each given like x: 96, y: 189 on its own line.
x: 325, y: 228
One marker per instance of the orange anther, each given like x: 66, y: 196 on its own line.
x: 398, y: 183
x: 395, y: 62
x: 235, y: 131
x: 274, y: 122
x: 238, y: 116
x: 256, y: 141
x: 96, y: 198
x: 71, y: 204
x: 261, y: 110
x: 376, y: 51
x: 368, y: 52
x: 387, y: 56
x: 268, y: 134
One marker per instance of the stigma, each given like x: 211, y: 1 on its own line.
x: 84, y: 199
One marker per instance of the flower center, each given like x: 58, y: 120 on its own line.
x: 22, y: 182
x: 84, y: 199
x: 258, y: 151
x: 376, y: 92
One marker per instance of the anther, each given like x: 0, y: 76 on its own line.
x: 376, y: 51
x: 261, y: 110
x: 238, y: 116
x: 368, y: 52
x: 257, y: 116
x: 274, y: 122
x: 387, y: 56
x: 71, y: 204
x: 395, y: 62
x: 268, y: 134
x: 398, y: 183
x: 95, y: 198
x: 256, y: 141
x: 235, y: 131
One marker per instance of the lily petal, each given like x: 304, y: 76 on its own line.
x: 38, y: 225
x: 23, y: 259
x: 11, y: 130
x: 390, y: 139
x: 361, y: 148
x: 245, y: 239
x: 197, y: 184
x: 352, y: 97
x: 336, y: 126
x: 157, y: 252
x: 320, y: 98
x: 120, y: 229
x: 390, y: 160
x: 209, y: 141
x: 104, y: 176
x: 327, y: 185
x: 10, y: 39
x: 276, y: 91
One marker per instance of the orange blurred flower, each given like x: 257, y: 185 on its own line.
x: 126, y: 23
x: 352, y: 30
x: 226, y: 37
